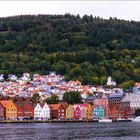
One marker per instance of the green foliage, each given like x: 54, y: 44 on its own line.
x: 52, y: 100
x: 127, y: 85
x: 88, y: 49
x: 36, y: 97
x: 72, y: 97
x: 137, y: 112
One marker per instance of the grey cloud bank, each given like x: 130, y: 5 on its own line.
x: 128, y: 10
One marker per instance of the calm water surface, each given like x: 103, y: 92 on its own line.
x: 64, y: 131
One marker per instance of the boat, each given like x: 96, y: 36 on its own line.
x: 105, y: 120
x: 137, y: 119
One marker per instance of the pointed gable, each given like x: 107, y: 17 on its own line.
x: 6, y: 103
x: 54, y: 106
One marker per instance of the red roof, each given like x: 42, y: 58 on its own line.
x: 54, y: 106
x: 5, y: 103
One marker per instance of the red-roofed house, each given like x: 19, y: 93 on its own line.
x: 57, y: 111
x: 24, y: 110
x: 10, y: 109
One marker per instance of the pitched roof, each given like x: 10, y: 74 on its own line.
x: 1, y: 105
x: 54, y: 106
x: 5, y: 103
x: 116, y: 95
x: 65, y: 106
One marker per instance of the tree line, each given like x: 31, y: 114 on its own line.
x: 88, y: 49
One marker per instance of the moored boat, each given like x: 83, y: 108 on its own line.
x: 137, y: 119
x: 105, y: 120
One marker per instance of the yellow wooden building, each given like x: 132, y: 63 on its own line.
x: 10, y: 109
x: 89, y: 112
x: 70, y: 112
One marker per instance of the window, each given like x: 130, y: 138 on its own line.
x: 62, y: 114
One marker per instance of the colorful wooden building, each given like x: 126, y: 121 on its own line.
x: 10, y: 109
x: 45, y: 111
x: 38, y: 112
x: 98, y: 112
x: 2, y: 112
x: 102, y: 101
x: 41, y: 112
x: 77, y: 112
x: 70, y: 112
x: 89, y: 112
x: 83, y: 113
x: 24, y: 110
x: 57, y: 111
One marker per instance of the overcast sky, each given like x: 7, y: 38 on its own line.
x: 129, y: 10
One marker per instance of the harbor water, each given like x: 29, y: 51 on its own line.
x: 74, y: 131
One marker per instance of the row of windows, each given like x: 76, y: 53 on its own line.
x: 11, y: 110
x: 41, y: 115
x: 62, y: 114
x: 11, y: 114
x: 43, y: 107
x: 61, y: 110
x: 41, y: 111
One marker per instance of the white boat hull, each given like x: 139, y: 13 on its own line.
x: 137, y: 119
x: 105, y: 120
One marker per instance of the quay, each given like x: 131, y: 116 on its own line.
x: 56, y: 121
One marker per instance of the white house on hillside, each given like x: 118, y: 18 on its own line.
x: 110, y: 81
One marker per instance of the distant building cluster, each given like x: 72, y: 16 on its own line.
x: 45, y: 85
x: 98, y: 101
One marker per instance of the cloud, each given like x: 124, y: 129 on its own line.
x: 128, y: 10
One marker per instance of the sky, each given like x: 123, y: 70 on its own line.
x: 128, y: 10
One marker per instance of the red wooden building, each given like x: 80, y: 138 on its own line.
x: 2, y: 112
x: 24, y: 110
x: 58, y: 111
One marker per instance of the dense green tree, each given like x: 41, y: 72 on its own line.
x: 36, y: 97
x: 127, y: 85
x: 72, y: 97
x: 52, y: 100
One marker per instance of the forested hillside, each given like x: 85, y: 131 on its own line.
x: 88, y: 49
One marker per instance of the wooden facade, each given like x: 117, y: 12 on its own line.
x: 57, y: 111
x: 2, y: 112
x: 24, y: 110
x: 10, y: 109
x: 70, y: 112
